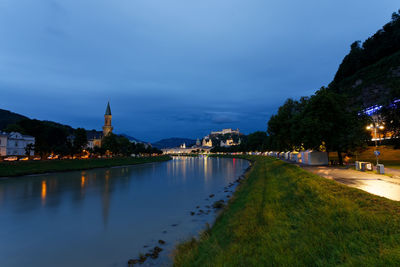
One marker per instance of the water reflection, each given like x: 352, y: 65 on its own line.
x: 104, y: 216
x: 44, y: 192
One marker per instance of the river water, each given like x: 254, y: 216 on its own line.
x: 104, y: 217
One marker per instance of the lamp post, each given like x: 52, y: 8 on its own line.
x: 375, y: 127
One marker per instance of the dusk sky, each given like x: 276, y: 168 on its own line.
x: 173, y: 68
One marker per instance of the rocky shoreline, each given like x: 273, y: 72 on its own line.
x: 198, y: 211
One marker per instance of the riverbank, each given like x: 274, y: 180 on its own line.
x: 283, y: 215
x: 12, y: 169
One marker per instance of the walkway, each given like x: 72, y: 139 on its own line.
x: 381, y: 185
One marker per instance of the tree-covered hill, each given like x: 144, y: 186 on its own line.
x: 378, y: 83
x: 383, y: 43
x: 8, y: 117
x: 173, y: 142
x: 370, y: 73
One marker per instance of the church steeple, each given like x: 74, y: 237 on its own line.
x: 108, y: 110
x: 107, y: 128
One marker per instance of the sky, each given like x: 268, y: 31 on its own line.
x: 174, y: 68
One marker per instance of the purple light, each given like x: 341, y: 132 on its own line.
x: 374, y: 109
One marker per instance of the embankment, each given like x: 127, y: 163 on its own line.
x: 282, y: 215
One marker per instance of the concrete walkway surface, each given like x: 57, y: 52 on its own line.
x: 378, y: 184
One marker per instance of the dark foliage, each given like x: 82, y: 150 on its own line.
x: 8, y: 117
x: 383, y: 43
x: 391, y: 116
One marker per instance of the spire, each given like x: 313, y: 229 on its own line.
x: 108, y: 110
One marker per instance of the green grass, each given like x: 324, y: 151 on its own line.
x: 9, y: 169
x: 284, y: 216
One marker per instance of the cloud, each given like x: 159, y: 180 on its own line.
x: 224, y: 117
x: 173, y: 67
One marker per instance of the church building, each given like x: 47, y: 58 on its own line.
x: 107, y: 128
x: 95, y: 140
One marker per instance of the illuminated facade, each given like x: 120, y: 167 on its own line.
x: 207, y: 142
x: 226, y: 131
x: 15, y: 144
x: 228, y: 143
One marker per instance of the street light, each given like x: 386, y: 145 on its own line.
x: 375, y: 127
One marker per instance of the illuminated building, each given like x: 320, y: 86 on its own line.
x: 15, y: 144
x: 95, y: 137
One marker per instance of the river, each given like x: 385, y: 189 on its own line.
x: 103, y: 217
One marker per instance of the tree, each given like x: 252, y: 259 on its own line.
x: 391, y: 116
x: 29, y: 148
x: 124, y: 146
x: 257, y: 141
x: 327, y: 119
x: 110, y: 143
x: 117, y: 145
x: 80, y: 140
x: 99, y: 150
x: 280, y: 125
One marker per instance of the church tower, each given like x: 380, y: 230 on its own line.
x: 107, y: 128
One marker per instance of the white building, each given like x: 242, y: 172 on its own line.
x: 207, y: 142
x: 226, y: 131
x: 14, y: 144
x: 228, y: 143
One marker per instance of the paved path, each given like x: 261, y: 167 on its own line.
x: 377, y: 184
x: 394, y: 172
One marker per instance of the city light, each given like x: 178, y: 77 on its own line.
x: 375, y: 127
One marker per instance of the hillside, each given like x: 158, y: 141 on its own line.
x: 8, y: 117
x: 370, y: 73
x: 133, y: 139
x: 173, y: 142
x: 378, y: 83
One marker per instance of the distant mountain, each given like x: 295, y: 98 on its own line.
x: 173, y: 142
x: 130, y: 138
x: 8, y: 117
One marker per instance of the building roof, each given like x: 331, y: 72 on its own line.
x: 94, y: 134
x: 108, y: 110
x: 16, y: 135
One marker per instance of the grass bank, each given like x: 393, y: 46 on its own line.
x: 282, y: 215
x: 8, y: 169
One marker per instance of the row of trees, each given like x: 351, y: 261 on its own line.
x: 63, y: 140
x: 257, y: 141
x: 325, y: 121
x: 50, y: 137
x: 119, y: 145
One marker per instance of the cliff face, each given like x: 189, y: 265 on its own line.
x: 370, y: 73
x: 373, y: 85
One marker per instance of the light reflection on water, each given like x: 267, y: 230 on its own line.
x: 103, y: 217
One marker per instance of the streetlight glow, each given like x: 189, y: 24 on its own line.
x: 375, y: 127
